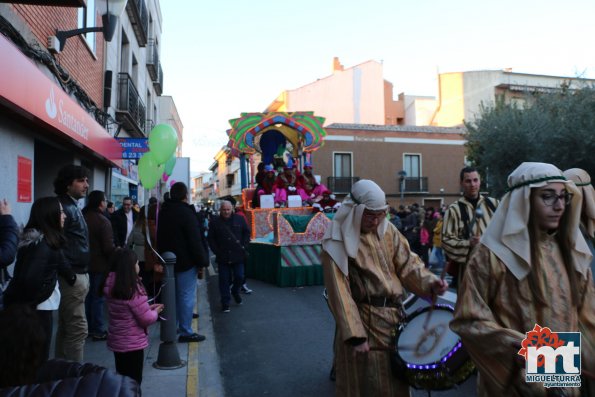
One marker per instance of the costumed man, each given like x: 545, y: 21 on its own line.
x: 531, y: 268
x: 582, y: 180
x: 465, y: 220
x: 265, y: 186
x: 326, y: 203
x: 313, y: 189
x: 287, y: 184
x: 367, y: 266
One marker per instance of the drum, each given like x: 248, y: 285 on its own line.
x: 432, y: 358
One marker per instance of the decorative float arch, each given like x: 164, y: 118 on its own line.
x: 302, y: 129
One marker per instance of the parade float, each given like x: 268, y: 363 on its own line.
x: 285, y: 242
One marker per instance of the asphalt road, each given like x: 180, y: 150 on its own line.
x: 279, y: 343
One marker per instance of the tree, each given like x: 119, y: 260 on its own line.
x: 557, y: 128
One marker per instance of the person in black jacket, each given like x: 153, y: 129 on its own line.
x: 9, y: 235
x: 178, y: 232
x: 70, y: 185
x: 9, y: 238
x: 123, y: 221
x: 228, y: 238
x: 24, y: 372
x: 39, y: 260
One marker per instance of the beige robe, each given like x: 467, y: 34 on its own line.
x: 383, y: 268
x: 495, y: 310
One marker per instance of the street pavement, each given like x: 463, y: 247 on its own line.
x: 277, y: 343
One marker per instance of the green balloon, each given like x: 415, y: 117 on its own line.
x: 148, y: 170
x: 169, y: 165
x: 163, y: 140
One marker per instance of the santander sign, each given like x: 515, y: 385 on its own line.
x: 65, y: 118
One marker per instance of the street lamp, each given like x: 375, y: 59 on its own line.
x: 113, y: 10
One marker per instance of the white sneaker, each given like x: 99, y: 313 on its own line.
x: 245, y: 289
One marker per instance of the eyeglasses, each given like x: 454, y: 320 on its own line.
x: 550, y: 199
x: 371, y: 216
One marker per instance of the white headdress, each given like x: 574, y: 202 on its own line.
x: 341, y: 239
x: 582, y: 180
x: 507, y: 235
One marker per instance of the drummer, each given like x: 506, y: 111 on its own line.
x: 367, y: 264
x: 530, y: 267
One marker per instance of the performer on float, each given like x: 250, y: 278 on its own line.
x: 265, y: 186
x: 287, y: 184
x: 313, y: 189
x: 326, y: 203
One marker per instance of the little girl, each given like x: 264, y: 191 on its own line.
x: 129, y: 314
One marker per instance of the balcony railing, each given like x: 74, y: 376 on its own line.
x: 139, y: 18
x: 149, y: 124
x: 341, y: 184
x: 158, y: 83
x: 413, y: 185
x: 131, y: 110
x: 153, y: 60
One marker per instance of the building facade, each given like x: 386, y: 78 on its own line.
x: 411, y: 164
x: 66, y: 100
x: 461, y: 94
x: 355, y: 95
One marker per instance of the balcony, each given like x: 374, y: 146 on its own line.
x: 158, y: 84
x: 413, y: 185
x: 149, y: 124
x: 130, y: 110
x: 341, y: 184
x: 153, y: 60
x: 139, y: 18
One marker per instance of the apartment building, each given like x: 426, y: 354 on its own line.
x: 72, y: 80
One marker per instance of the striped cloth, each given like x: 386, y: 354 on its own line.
x: 454, y: 244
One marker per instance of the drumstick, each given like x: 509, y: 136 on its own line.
x: 434, y: 298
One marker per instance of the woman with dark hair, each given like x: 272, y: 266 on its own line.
x: 129, y: 314
x: 529, y: 271
x: 101, y: 247
x: 39, y: 260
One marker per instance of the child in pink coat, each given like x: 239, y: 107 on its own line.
x: 129, y: 314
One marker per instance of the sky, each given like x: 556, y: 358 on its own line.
x: 221, y: 58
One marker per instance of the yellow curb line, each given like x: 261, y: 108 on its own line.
x: 192, y: 377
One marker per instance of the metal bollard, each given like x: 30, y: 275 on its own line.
x: 168, y: 357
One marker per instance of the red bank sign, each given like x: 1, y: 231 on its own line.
x: 26, y: 89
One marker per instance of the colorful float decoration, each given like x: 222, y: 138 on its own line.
x: 285, y: 246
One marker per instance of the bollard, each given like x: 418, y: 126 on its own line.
x: 168, y: 357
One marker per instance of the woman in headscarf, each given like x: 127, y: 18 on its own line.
x: 367, y: 265
x: 531, y: 267
x: 582, y: 180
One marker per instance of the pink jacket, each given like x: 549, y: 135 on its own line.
x: 128, y: 320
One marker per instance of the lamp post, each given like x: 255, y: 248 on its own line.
x: 113, y: 10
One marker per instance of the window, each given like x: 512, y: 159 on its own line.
x: 342, y: 165
x: 412, y: 165
x: 86, y: 19
x: 230, y: 180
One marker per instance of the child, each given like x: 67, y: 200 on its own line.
x: 129, y: 314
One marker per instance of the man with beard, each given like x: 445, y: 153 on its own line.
x: 70, y: 186
x: 465, y: 220
x: 287, y: 184
x: 266, y: 185
x: 312, y: 188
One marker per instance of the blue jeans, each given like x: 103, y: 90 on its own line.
x: 94, y: 304
x: 227, y: 273
x: 185, y: 299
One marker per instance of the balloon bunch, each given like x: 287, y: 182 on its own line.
x: 160, y: 160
